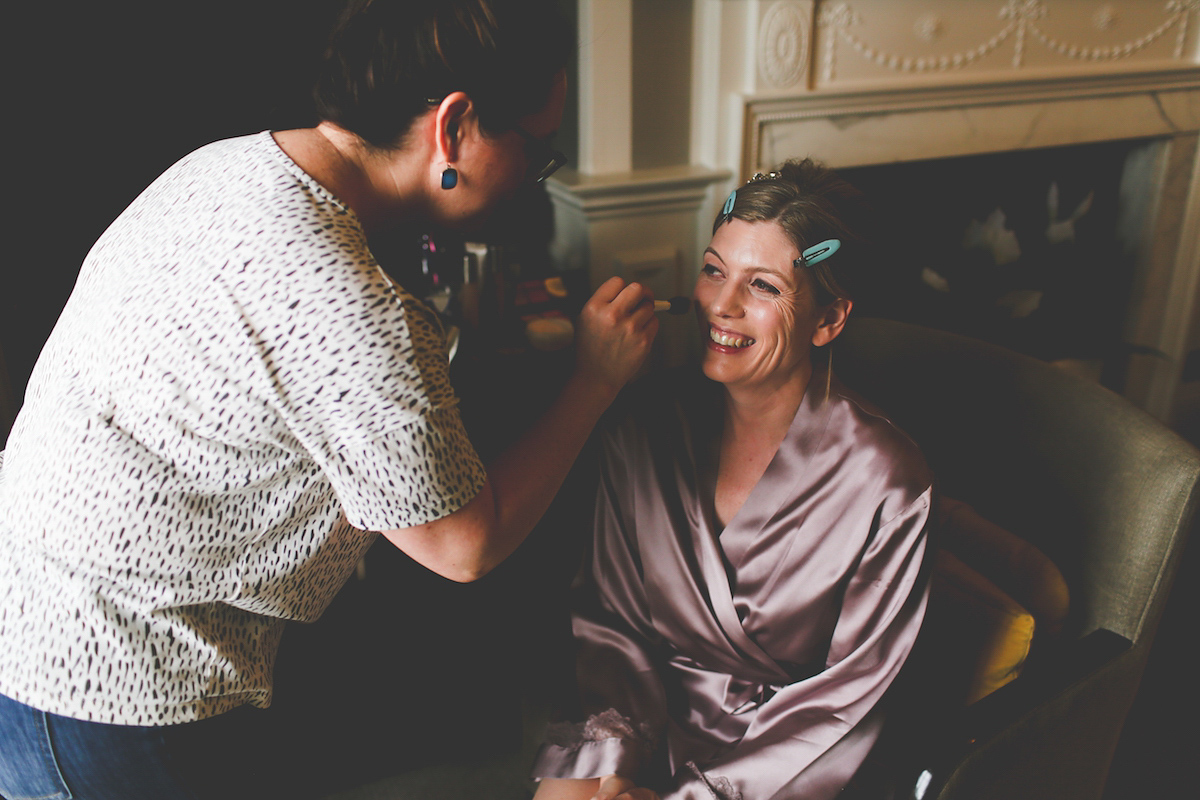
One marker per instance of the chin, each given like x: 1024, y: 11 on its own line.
x: 717, y: 372
x: 471, y: 225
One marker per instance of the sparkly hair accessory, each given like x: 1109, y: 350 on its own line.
x: 818, y: 253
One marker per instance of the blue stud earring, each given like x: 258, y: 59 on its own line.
x: 449, y: 178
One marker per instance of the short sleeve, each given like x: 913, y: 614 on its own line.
x: 417, y: 473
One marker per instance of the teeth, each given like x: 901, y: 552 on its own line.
x: 727, y: 340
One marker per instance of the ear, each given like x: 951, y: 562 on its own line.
x: 455, y: 108
x: 832, y: 321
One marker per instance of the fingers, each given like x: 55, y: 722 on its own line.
x: 612, y: 787
x: 632, y: 297
x: 609, y: 290
x: 615, y: 332
x: 622, y: 297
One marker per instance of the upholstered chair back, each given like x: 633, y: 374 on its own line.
x: 1103, y: 489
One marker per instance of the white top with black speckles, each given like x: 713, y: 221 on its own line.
x: 233, y: 393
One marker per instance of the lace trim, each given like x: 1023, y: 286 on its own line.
x: 719, y: 788
x: 609, y: 724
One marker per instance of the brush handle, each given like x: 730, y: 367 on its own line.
x: 676, y: 305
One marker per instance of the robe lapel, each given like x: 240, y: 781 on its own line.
x: 783, y: 475
x: 707, y: 543
x: 667, y: 517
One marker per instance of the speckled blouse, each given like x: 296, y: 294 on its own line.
x: 234, y: 393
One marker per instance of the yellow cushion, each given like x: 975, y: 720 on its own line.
x: 982, y: 635
x: 1022, y: 571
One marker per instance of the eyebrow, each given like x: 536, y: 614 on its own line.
x: 777, y: 273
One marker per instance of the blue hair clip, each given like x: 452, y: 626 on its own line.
x: 817, y: 253
x: 728, y: 207
x: 726, y: 211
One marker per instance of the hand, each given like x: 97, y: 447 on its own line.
x: 616, y: 328
x: 614, y: 787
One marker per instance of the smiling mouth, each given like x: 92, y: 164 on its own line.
x: 728, y: 340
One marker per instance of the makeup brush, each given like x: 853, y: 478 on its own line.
x: 676, y: 305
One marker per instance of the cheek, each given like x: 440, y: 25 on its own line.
x: 777, y: 321
x: 702, y: 298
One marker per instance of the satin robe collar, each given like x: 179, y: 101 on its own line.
x: 717, y: 553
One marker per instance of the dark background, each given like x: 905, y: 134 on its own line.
x: 102, y: 97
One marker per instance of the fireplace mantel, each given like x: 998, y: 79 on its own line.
x: 859, y: 82
x: 848, y: 129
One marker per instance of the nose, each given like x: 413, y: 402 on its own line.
x: 728, y: 302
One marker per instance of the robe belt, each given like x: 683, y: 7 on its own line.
x: 712, y: 695
x: 731, y: 693
x: 741, y: 696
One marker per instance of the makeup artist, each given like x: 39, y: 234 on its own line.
x: 236, y: 394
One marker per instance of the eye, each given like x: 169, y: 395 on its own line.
x: 711, y: 270
x: 763, y: 286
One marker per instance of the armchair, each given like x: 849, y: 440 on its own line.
x: 1103, y: 489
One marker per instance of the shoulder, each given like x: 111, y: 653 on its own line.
x: 647, y: 429
x: 875, y: 446
x: 243, y: 181
x: 660, y: 402
x: 222, y: 161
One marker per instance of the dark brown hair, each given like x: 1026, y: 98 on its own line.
x: 811, y: 203
x: 387, y: 59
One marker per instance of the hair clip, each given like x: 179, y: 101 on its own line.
x: 770, y: 176
x: 817, y: 253
x: 726, y: 211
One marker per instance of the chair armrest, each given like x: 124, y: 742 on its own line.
x: 933, y: 752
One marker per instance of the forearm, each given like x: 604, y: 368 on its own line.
x: 522, y: 482
x: 615, y: 329
x: 526, y: 477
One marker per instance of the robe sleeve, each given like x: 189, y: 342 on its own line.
x: 617, y: 668
x: 883, y: 605
x: 621, y: 688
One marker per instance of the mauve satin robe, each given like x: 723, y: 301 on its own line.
x: 744, y: 662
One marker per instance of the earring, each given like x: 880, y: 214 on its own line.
x: 829, y: 373
x: 449, y: 178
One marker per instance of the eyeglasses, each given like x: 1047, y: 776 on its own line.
x: 541, y: 159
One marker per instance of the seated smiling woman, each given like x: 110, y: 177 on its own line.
x: 755, y: 582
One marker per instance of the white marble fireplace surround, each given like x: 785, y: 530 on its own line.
x: 862, y: 82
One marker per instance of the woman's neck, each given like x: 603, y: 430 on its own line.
x: 380, y: 187
x: 756, y: 422
x: 766, y: 406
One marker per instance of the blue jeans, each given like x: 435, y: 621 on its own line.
x: 47, y: 757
